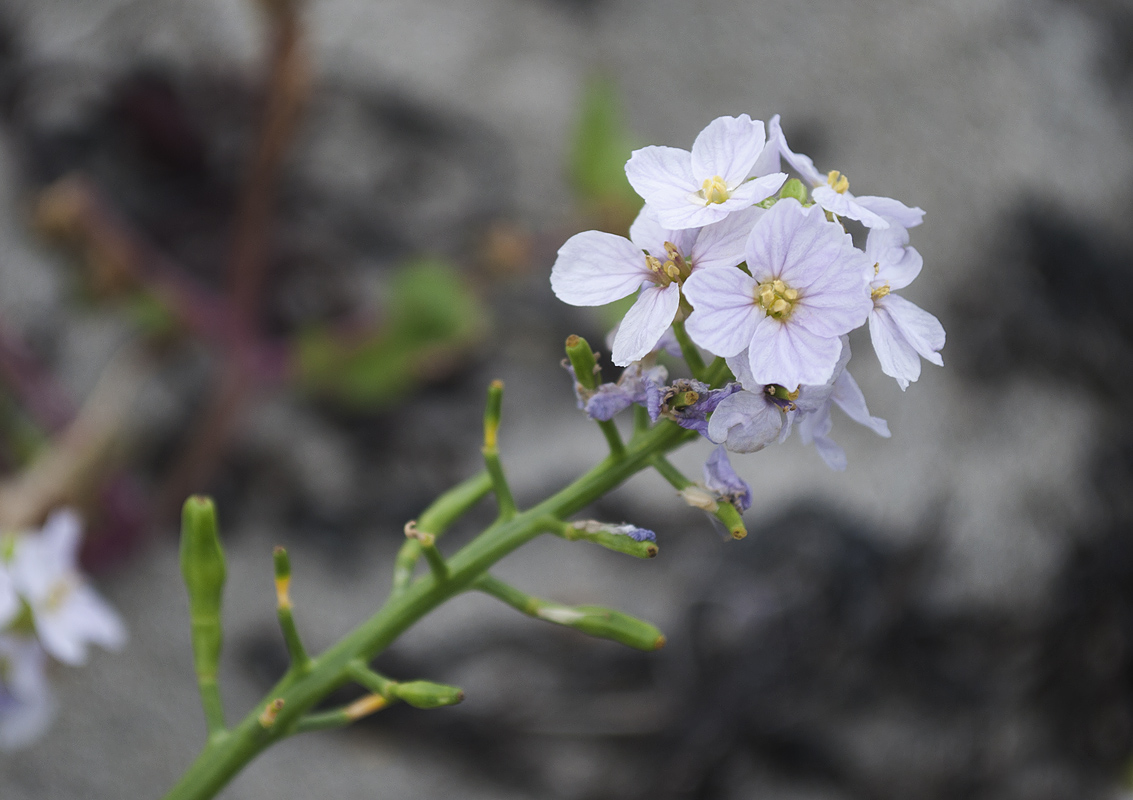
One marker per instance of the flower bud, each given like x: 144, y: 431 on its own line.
x: 424, y: 694
x: 203, y: 568
x: 794, y: 188
x: 606, y: 623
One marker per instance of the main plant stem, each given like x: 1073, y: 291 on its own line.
x: 227, y: 753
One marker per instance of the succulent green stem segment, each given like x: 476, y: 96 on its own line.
x: 603, y: 623
x: 491, y: 451
x: 203, y: 568
x: 299, y: 659
x: 585, y: 365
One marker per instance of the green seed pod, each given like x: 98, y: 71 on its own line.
x: 606, y: 623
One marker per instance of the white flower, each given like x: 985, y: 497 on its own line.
x: 813, y: 413
x: 68, y: 614
x: 831, y: 191
x: 595, y: 268
x: 26, y: 704
x: 689, y: 190
x: 901, y: 332
x: 808, y: 286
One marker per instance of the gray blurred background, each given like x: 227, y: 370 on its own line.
x: 952, y: 617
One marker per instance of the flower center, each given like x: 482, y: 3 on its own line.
x: 714, y: 190
x: 673, y: 268
x: 880, y: 291
x: 781, y: 396
x: 58, y: 594
x: 838, y: 182
x: 776, y: 298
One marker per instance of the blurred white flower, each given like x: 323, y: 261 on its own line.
x: 67, y: 613
x: 26, y: 704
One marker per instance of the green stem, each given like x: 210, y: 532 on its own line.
x: 689, y: 351
x: 436, y: 519
x: 223, y: 757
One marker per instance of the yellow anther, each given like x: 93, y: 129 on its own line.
x: 714, y: 190
x: 673, y: 252
x: 880, y: 291
x: 672, y: 270
x: 777, y: 298
x: 838, y: 182
x: 653, y: 263
x: 876, y: 268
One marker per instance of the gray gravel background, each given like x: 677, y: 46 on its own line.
x: 964, y: 108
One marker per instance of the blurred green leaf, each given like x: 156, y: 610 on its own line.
x: 600, y: 148
x: 433, y: 321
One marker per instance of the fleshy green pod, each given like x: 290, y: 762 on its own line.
x: 424, y: 694
x: 606, y: 623
x: 202, y: 565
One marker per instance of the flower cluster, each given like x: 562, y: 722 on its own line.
x: 46, y: 609
x: 735, y: 257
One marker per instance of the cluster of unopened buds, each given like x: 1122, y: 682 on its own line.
x: 46, y: 609
x: 733, y: 256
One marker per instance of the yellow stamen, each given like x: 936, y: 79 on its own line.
x: 838, y: 182
x: 880, y: 292
x: 714, y: 190
x: 777, y: 298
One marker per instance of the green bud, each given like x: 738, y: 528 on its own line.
x: 794, y: 188
x: 202, y: 565
x: 424, y: 694
x: 582, y: 359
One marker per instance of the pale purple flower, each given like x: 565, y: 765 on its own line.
x: 722, y: 480
x: 595, y: 268
x: 808, y: 286
x: 26, y: 704
x: 831, y: 190
x: 902, y: 333
x: 68, y: 614
x: 689, y: 190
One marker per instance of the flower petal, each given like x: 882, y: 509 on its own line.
x: 790, y: 355
x: 745, y: 423
x: 645, y: 323
x: 662, y: 175
x: 897, y: 263
x: 794, y: 244
x: 920, y: 329
x: 894, y: 211
x: 728, y: 147
x: 802, y: 164
x: 848, y: 396
x: 722, y: 244
x: 725, y: 314
x: 595, y: 268
x: 897, y: 357
x: 846, y: 205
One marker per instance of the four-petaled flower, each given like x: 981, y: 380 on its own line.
x: 689, y: 190
x: 808, y: 286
